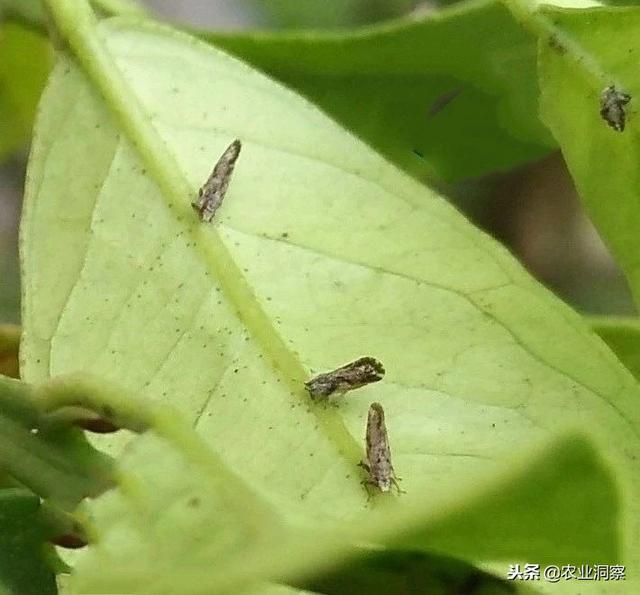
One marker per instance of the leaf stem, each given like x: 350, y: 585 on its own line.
x: 135, y: 413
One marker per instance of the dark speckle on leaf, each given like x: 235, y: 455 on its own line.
x: 555, y: 44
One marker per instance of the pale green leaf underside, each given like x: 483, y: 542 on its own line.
x: 321, y: 252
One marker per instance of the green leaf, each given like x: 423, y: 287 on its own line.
x: 51, y: 458
x: 173, y: 515
x: 567, y: 483
x: 408, y: 572
x: 623, y: 336
x: 386, y: 82
x: 595, y: 49
x: 330, y: 13
x: 30, y: 13
x: 23, y: 70
x: 177, y: 504
x: 24, y: 569
x: 272, y: 589
x: 320, y: 253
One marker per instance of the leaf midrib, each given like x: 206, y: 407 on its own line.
x: 79, y: 26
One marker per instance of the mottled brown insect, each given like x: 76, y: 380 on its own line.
x: 378, y: 463
x: 348, y: 377
x: 612, y: 108
x: 212, y: 193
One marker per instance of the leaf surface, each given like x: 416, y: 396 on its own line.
x: 596, y: 49
x: 171, y: 516
x: 451, y: 93
x: 321, y: 252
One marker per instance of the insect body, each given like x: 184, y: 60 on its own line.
x: 612, y: 108
x: 212, y: 193
x: 443, y: 100
x: 378, y: 463
x: 348, y: 377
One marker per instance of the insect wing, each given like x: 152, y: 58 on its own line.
x: 212, y: 193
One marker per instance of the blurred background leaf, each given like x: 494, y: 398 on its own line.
x: 24, y: 67
x: 29, y: 12
x: 435, y: 94
x: 326, y: 14
x: 24, y: 569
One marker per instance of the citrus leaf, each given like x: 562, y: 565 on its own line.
x: 24, y: 67
x: 407, y: 572
x: 321, y: 252
x: 596, y: 49
x: 23, y: 565
x: 159, y: 532
x: 328, y: 13
x: 434, y: 93
x: 623, y: 336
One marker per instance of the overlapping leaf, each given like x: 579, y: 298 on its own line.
x: 623, y: 336
x: 390, y: 84
x: 596, y: 48
x: 23, y: 568
x: 51, y: 458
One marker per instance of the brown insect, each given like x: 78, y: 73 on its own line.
x: 443, y: 100
x: 211, y: 194
x: 348, y: 377
x: 378, y: 463
x: 612, y: 108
